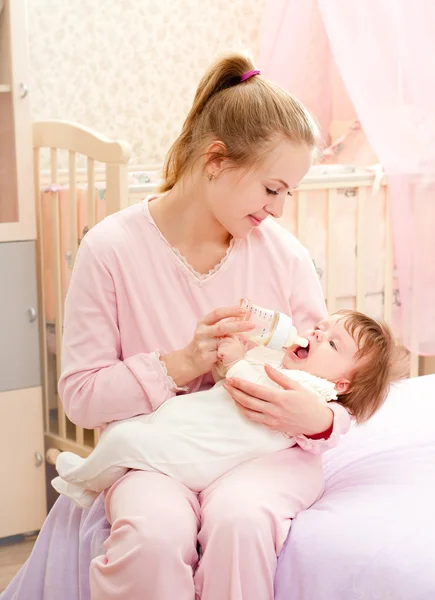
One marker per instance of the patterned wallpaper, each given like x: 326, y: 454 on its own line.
x: 129, y: 69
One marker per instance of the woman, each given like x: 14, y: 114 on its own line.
x: 135, y: 334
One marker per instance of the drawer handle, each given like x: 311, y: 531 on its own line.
x: 33, y: 315
x: 24, y: 90
x: 38, y: 459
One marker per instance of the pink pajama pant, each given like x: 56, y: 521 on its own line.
x: 240, y: 521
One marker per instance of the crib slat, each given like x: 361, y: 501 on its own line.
x: 361, y: 250
x: 74, y: 236
x: 92, y: 214
x: 41, y: 291
x: 96, y: 436
x: 331, y: 296
x: 416, y: 291
x: 389, y: 262
x: 302, y: 199
x: 414, y: 367
x: 80, y: 436
x: 58, y: 286
x: 116, y: 187
x: 53, y: 165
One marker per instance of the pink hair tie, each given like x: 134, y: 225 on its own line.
x: 249, y: 74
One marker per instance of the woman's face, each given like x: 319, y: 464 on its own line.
x: 241, y: 199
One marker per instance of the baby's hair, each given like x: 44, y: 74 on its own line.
x: 245, y: 116
x: 379, y: 363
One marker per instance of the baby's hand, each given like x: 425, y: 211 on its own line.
x: 231, y: 350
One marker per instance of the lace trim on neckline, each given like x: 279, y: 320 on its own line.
x: 183, y: 260
x: 197, y: 274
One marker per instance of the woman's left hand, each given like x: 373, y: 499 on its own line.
x: 293, y: 410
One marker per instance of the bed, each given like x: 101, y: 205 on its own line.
x: 372, y: 534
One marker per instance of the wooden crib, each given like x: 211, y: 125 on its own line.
x: 332, y: 212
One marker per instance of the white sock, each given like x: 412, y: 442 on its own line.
x: 80, y: 496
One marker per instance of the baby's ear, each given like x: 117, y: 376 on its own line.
x: 342, y: 385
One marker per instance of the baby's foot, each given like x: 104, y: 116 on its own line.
x: 80, y: 496
x: 68, y: 464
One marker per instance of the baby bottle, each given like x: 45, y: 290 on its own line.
x: 273, y: 329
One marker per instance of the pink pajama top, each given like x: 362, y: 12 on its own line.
x: 133, y: 297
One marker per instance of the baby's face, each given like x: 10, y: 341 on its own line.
x: 331, y: 353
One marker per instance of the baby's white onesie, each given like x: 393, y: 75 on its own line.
x: 195, y: 438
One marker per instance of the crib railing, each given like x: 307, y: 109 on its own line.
x: 362, y: 184
x: 112, y: 158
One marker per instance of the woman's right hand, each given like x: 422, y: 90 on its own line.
x: 202, y: 352
x: 199, y: 356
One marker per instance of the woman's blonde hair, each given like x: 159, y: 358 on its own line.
x: 244, y: 116
x: 379, y: 363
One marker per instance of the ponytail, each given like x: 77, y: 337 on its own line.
x: 241, y: 114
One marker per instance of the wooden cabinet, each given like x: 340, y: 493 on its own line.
x: 22, y: 472
x: 17, y: 211
x: 19, y: 326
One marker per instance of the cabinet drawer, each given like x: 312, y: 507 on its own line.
x: 19, y: 323
x: 22, y: 472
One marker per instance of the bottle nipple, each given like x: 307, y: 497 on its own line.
x: 294, y: 339
x: 300, y: 341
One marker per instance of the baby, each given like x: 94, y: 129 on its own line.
x: 198, y: 437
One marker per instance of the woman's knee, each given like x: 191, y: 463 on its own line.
x: 152, y: 513
x: 228, y: 517
x: 141, y: 553
x: 152, y: 537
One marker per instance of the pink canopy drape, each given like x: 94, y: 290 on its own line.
x: 384, y: 51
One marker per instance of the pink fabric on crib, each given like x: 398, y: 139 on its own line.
x: 349, y: 145
x: 384, y: 53
x: 295, y: 54
x: 61, y: 195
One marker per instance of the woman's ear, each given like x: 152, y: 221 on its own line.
x: 215, y: 159
x: 342, y: 385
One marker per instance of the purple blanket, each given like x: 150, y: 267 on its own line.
x: 59, y: 564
